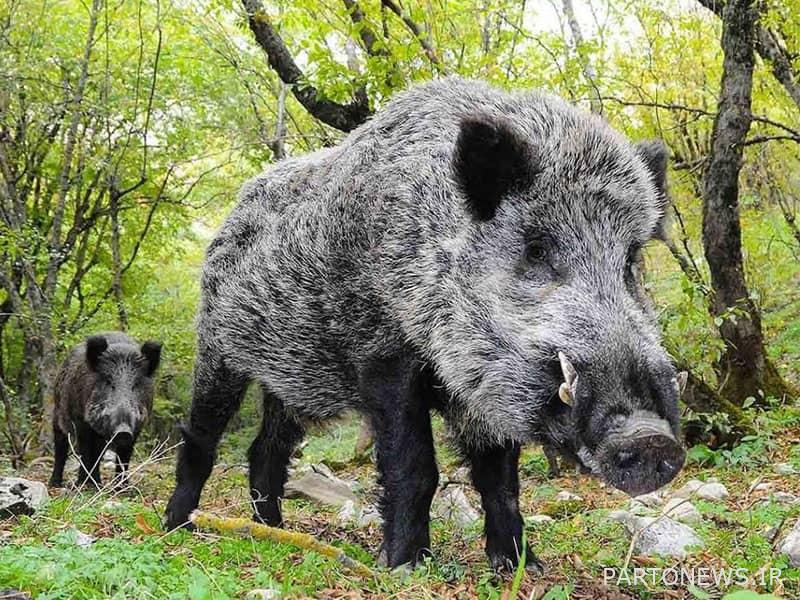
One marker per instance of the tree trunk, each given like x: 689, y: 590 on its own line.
x: 744, y: 370
x: 116, y: 258
x: 586, y: 64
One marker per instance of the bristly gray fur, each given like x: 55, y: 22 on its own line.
x: 365, y: 249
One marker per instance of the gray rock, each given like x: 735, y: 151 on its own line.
x: 791, y: 545
x: 712, y: 491
x: 451, y: 504
x: 682, y: 510
x: 785, y: 469
x: 770, y: 533
x: 363, y: 516
x: 646, y: 504
x: 20, y: 496
x: 785, y: 498
x: 349, y: 512
x: 539, y: 519
x: 262, y: 594
x: 319, y: 484
x: 688, y: 489
x: 660, y: 536
x: 651, y: 500
x: 565, y: 496
x: 82, y: 540
x: 369, y: 516
x: 705, y: 490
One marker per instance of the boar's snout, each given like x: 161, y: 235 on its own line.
x: 123, y: 436
x: 642, y: 456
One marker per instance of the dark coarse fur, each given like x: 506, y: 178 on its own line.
x: 103, y: 396
x: 441, y: 257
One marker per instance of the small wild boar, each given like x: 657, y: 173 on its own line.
x: 467, y: 250
x: 103, y: 396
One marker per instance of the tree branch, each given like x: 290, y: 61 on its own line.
x: 417, y: 32
x: 344, y: 117
x: 365, y: 32
x: 770, y: 48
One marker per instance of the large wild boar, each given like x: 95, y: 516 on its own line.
x: 103, y: 395
x: 468, y: 250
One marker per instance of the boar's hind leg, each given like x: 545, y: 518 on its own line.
x: 61, y: 445
x: 269, y: 458
x: 494, y: 473
x: 216, y: 396
x: 398, y: 399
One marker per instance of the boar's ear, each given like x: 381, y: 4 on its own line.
x: 95, y: 346
x: 655, y: 155
x: 490, y: 160
x: 152, y: 354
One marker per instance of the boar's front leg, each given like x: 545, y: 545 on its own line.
x: 91, y: 446
x: 494, y: 474
x: 123, y: 461
x: 397, y: 399
x: 216, y: 396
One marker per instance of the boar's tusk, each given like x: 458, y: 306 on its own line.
x: 569, y: 372
x: 565, y: 394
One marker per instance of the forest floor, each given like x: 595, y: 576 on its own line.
x: 131, y: 556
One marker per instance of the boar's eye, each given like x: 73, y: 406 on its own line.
x: 535, y: 252
x: 540, y: 258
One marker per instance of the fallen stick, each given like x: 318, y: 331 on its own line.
x: 245, y: 527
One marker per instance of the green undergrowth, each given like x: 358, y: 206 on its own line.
x: 131, y: 556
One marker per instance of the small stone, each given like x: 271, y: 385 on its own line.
x: 82, y: 540
x: 770, y: 533
x: 682, y: 510
x: 785, y: 498
x: 764, y: 486
x: 370, y: 515
x: 791, y: 545
x: 363, y: 516
x: 660, y: 536
x: 688, y: 488
x: 712, y: 491
x: 349, y: 512
x: 646, y: 503
x: 785, y: 469
x: 20, y: 496
x: 451, y: 504
x: 539, y: 519
x: 651, y: 500
x: 263, y: 594
x: 565, y: 496
x: 705, y: 490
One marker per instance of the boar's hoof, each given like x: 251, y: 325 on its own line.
x: 504, y: 564
x: 383, y: 557
x: 177, y: 519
